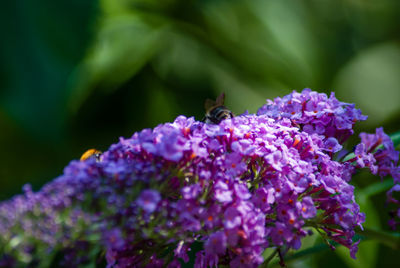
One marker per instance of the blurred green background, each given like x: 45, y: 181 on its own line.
x: 79, y: 74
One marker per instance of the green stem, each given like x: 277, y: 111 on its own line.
x: 377, y: 187
x: 265, y: 263
x: 391, y: 240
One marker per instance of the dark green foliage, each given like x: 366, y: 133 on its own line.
x: 78, y: 74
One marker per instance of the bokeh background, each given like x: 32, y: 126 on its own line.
x: 79, y: 74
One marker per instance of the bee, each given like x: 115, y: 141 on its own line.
x: 91, y: 153
x: 216, y: 111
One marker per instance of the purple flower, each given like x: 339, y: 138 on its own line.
x: 354, y: 249
x: 174, y: 264
x: 234, y: 165
x: 395, y: 172
x: 316, y: 112
x: 181, y: 251
x: 307, y: 208
x: 237, y: 188
x: 232, y: 218
x: 216, y: 244
x: 148, y: 200
x: 377, y: 152
x: 171, y: 146
x: 191, y: 191
x: 114, y: 239
x: 154, y: 262
x: 332, y: 145
x: 275, y: 160
x: 263, y: 198
x: 222, y: 192
x: 241, y: 191
x: 281, y: 233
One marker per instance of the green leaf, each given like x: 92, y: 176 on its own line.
x: 389, y: 239
x: 40, y: 46
x: 375, y: 188
x: 371, y: 79
x: 395, y: 138
x: 124, y: 44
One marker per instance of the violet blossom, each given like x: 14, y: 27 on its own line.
x: 237, y: 188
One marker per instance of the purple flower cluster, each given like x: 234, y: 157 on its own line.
x: 314, y: 112
x: 236, y: 188
x: 376, y: 152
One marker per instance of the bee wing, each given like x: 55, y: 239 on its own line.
x: 220, y: 99
x: 208, y: 104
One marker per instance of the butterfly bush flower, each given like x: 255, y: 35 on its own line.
x: 376, y: 152
x: 232, y: 189
x: 315, y: 113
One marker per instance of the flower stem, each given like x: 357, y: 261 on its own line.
x: 270, y: 257
x: 391, y: 240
